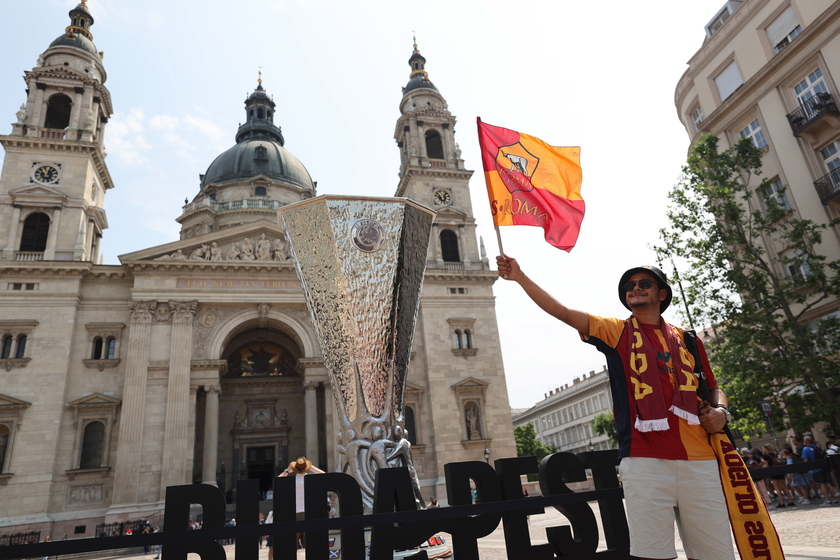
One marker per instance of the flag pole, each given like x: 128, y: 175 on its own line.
x: 499, y: 239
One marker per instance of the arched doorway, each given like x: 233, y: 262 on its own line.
x: 261, y: 413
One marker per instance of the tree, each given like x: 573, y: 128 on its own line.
x: 604, y: 424
x: 757, y: 304
x: 527, y: 443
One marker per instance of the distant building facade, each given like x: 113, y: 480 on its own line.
x: 563, y: 418
x: 196, y: 361
x: 769, y: 71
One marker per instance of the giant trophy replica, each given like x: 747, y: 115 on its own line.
x: 361, y: 263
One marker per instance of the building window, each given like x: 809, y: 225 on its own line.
x: 449, y: 246
x: 755, y: 134
x: 831, y: 156
x: 728, y: 81
x: 720, y: 18
x: 14, y: 338
x: 5, y: 439
x: 410, y: 426
x: 58, y: 112
x: 812, y: 85
x: 36, y: 228
x: 797, y: 266
x: 260, y: 153
x: 434, y: 144
x: 7, y: 346
x: 104, y: 345
x: 773, y: 196
x: 93, y: 446
x: 697, y: 118
x: 260, y: 191
x: 783, y: 30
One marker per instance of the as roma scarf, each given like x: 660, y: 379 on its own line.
x: 651, y: 408
x: 755, y: 535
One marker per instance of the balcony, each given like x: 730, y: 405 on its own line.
x: 29, y: 255
x: 259, y: 203
x: 816, y: 120
x: 828, y: 186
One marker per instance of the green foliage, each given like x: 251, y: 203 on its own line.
x: 527, y: 443
x: 762, y: 344
x: 604, y: 424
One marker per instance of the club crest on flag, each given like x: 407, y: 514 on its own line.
x: 516, y: 165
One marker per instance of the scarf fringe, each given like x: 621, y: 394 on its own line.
x: 692, y: 418
x: 658, y: 425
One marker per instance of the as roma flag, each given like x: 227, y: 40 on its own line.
x: 532, y: 184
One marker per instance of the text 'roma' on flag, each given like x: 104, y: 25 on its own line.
x: 533, y: 184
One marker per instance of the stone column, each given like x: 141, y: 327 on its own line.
x: 310, y: 405
x: 38, y: 109
x: 76, y: 110
x: 211, y: 434
x: 132, y: 415
x: 12, y: 244
x: 49, y: 250
x: 176, y: 435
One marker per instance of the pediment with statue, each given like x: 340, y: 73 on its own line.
x: 260, y: 242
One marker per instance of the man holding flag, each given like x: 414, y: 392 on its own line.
x: 676, y: 464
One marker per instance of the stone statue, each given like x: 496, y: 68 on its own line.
x: 40, y: 62
x: 200, y: 254
x: 247, y: 251
x: 472, y: 422
x: 457, y: 151
x: 21, y: 115
x: 90, y: 120
x: 234, y: 254
x: 281, y: 253
x: 179, y: 256
x: 263, y: 248
x: 215, y: 252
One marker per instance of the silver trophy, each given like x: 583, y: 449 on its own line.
x: 361, y: 262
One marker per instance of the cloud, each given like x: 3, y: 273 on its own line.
x: 126, y: 138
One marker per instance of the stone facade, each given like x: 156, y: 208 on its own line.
x: 196, y: 361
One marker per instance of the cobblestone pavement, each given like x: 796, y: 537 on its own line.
x: 807, y: 533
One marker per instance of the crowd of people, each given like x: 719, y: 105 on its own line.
x: 815, y: 486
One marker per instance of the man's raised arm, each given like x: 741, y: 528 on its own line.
x: 509, y: 270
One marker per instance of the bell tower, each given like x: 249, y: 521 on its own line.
x: 432, y: 171
x: 54, y: 176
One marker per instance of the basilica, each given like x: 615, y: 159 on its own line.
x: 197, y: 361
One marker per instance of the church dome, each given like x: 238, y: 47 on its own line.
x: 78, y: 33
x: 258, y: 156
x: 419, y: 78
x: 259, y: 149
x: 78, y: 41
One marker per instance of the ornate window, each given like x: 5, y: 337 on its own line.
x: 58, y: 112
x: 773, y: 195
x: 104, y: 345
x: 11, y: 412
x: 95, y: 418
x: 449, y: 246
x: 14, y: 343
x: 93, y: 445
x: 434, y: 144
x: 461, y: 332
x: 36, y: 229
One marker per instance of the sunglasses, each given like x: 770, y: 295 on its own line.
x: 644, y: 283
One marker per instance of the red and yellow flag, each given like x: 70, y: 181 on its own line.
x: 533, y: 184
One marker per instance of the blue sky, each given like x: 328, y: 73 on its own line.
x: 600, y: 75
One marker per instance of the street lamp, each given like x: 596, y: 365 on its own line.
x: 591, y: 446
x: 487, y: 455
